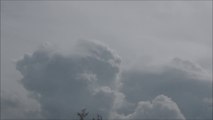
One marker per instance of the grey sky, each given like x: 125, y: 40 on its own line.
x: 141, y: 33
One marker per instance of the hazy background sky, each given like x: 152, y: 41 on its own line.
x: 144, y: 34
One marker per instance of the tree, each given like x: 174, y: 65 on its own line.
x: 83, y: 114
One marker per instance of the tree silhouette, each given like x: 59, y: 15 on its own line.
x: 83, y: 114
x: 99, y: 117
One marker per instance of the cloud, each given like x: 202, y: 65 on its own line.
x: 15, y: 106
x: 192, y: 69
x: 53, y: 77
x: 91, y: 77
x: 161, y: 107
x: 65, y: 84
x: 181, y: 80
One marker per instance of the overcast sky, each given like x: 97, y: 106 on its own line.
x: 127, y: 58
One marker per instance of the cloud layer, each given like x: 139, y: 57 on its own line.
x: 91, y: 77
x: 52, y: 83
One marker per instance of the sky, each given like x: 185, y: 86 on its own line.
x: 121, y: 59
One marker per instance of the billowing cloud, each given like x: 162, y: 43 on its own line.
x: 15, y: 106
x: 183, y: 81
x: 91, y: 77
x: 161, y: 107
x: 64, y: 84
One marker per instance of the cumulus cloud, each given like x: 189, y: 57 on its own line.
x: 65, y: 84
x: 88, y: 74
x: 161, y: 107
x: 15, y: 106
x: 92, y: 78
x: 181, y: 80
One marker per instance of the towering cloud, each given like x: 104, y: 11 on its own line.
x: 65, y: 84
x: 144, y: 83
x: 91, y: 77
